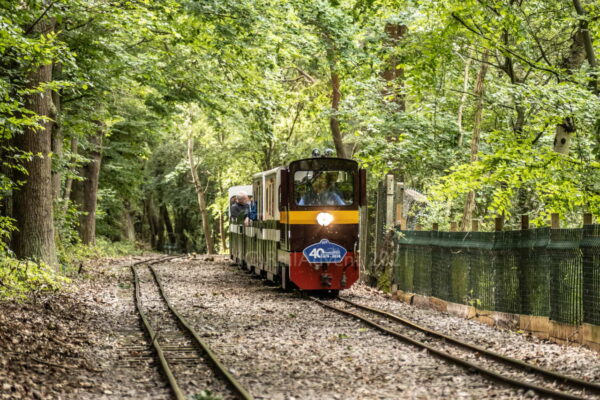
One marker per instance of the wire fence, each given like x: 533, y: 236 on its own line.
x: 541, y: 272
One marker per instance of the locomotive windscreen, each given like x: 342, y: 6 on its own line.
x: 324, y: 188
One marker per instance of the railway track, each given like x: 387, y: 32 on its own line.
x: 494, y: 366
x: 187, y: 362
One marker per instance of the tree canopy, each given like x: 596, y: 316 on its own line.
x: 497, y: 100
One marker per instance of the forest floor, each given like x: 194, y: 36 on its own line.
x: 85, y: 343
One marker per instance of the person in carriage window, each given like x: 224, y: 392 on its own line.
x: 240, y: 208
x: 323, y: 192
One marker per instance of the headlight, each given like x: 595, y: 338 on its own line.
x: 324, y: 218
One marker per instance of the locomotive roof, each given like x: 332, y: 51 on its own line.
x: 333, y: 160
x: 274, y: 170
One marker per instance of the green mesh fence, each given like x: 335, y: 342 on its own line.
x: 566, y: 275
x: 440, y: 267
x: 482, y: 275
x: 590, y: 247
x: 534, y: 272
x: 506, y: 256
x: 544, y: 272
x: 422, y: 263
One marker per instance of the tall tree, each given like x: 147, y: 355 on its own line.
x: 32, y: 202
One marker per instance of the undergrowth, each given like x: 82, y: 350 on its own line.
x: 20, y: 279
x: 72, y: 256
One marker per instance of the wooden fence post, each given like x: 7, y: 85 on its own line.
x: 435, y: 227
x: 475, y: 225
x: 364, y: 239
x: 399, y: 205
x: 453, y: 226
x: 524, y: 222
x: 499, y: 224
x: 588, y: 219
x: 555, y: 221
x: 389, y: 200
x: 379, y: 220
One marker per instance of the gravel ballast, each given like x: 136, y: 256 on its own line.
x: 573, y: 360
x: 282, y: 346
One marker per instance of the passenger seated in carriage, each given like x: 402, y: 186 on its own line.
x: 240, y: 208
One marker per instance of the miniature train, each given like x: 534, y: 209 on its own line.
x: 306, y: 232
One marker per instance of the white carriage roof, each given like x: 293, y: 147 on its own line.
x: 264, y: 173
x: 240, y: 188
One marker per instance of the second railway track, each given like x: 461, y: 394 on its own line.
x: 188, y: 364
x: 511, y: 372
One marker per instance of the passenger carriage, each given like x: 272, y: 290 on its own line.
x: 307, y: 231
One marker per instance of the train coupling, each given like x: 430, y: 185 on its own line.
x: 344, y: 280
x: 326, y: 279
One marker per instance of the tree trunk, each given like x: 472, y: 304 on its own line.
x: 571, y: 64
x: 479, y: 94
x: 587, y: 44
x: 91, y: 173
x: 336, y: 96
x: 394, y: 76
x: 33, y: 200
x: 160, y: 233
x: 128, y: 227
x: 215, y: 231
x: 153, y: 222
x: 180, y: 224
x: 210, y: 247
x: 463, y: 101
x: 222, y: 232
x: 164, y: 212
x: 57, y: 138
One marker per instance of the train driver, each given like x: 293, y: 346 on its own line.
x: 324, y: 192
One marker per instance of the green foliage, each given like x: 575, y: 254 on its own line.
x: 71, y: 256
x: 20, y: 279
x: 6, y: 227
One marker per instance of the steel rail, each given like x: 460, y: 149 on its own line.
x: 174, y: 385
x: 222, y: 369
x: 456, y: 360
x: 496, y: 356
